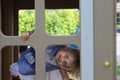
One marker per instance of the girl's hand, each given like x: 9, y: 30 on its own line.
x: 25, y: 36
x: 64, y: 74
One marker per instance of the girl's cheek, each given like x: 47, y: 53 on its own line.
x: 61, y: 64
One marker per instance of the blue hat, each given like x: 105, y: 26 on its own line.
x: 73, y: 46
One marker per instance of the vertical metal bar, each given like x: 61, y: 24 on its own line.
x: 87, y: 48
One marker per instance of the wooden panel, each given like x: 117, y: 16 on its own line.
x: 104, y: 39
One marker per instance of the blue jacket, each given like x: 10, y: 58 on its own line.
x: 26, y: 63
x: 51, y: 63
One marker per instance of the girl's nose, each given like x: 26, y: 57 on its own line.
x: 63, y: 61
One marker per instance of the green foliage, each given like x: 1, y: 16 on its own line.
x: 58, y: 22
x: 63, y: 22
x: 118, y: 26
x: 118, y: 70
x: 26, y: 21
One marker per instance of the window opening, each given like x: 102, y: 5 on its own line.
x: 62, y: 61
x: 20, y: 60
x: 57, y: 21
x: 26, y: 21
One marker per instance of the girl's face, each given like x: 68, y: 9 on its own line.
x: 64, y: 59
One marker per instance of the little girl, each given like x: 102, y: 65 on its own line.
x: 58, y: 57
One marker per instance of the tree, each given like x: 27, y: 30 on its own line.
x: 57, y: 22
x: 61, y: 22
x: 26, y: 21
